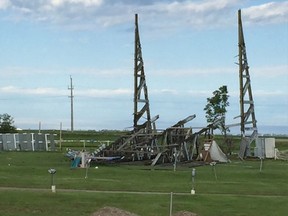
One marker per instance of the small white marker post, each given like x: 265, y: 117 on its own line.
x: 213, y: 164
x: 261, y: 163
x: 87, y: 167
x: 193, y: 176
x: 175, y: 160
x: 171, y: 203
x: 52, y: 172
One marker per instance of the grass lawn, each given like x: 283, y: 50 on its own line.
x: 236, y: 188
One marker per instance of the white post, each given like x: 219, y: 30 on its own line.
x: 53, y: 188
x: 87, y: 167
x: 39, y: 126
x: 261, y: 164
x: 83, y: 160
x: 171, y: 203
x: 193, y: 181
x: 32, y: 141
x: 175, y: 159
x: 46, y: 141
x: 60, y: 136
x: 14, y: 139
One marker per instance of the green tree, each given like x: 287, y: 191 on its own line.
x: 7, y: 124
x: 216, y: 108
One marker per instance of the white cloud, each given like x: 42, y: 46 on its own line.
x: 103, y: 93
x: 164, y: 91
x: 100, y: 93
x: 200, y: 93
x: 195, y: 14
x: 271, y: 71
x: 170, y: 14
x: 265, y: 93
x: 195, y: 71
x: 102, y: 73
x: 84, y: 2
x: 16, y: 72
x: 267, y: 72
x: 32, y: 91
x: 198, y: 6
x: 260, y: 94
x: 4, y: 4
x: 57, y: 2
x: 204, y: 93
x: 271, y: 12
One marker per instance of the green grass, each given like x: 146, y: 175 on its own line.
x: 81, y: 203
x: 240, y: 188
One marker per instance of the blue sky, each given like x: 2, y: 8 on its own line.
x: 189, y: 50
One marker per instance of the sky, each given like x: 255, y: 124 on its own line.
x: 189, y: 48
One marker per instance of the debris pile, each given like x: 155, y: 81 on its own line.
x: 112, y: 211
x: 185, y: 213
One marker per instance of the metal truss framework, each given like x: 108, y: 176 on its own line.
x: 141, y: 101
x: 141, y: 142
x: 247, y: 112
x: 175, y: 144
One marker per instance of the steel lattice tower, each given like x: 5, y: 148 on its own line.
x: 247, y: 112
x: 141, y: 101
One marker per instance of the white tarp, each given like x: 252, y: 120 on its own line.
x: 270, y: 147
x: 216, y: 153
x: 265, y: 147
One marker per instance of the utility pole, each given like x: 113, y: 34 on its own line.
x: 60, y: 139
x: 71, y: 98
x: 39, y: 126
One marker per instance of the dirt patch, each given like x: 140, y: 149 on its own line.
x: 185, y: 213
x: 112, y: 211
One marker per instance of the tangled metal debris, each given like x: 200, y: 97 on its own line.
x: 144, y: 142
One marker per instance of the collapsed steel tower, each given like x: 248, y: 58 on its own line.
x: 141, y: 101
x: 247, y: 112
x: 141, y: 142
x: 175, y: 144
